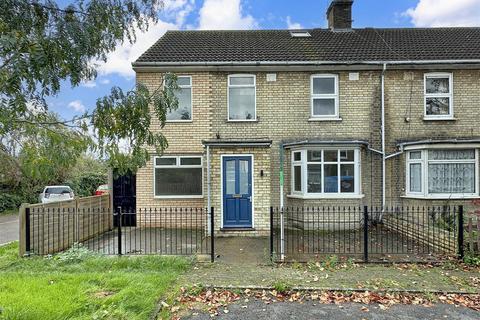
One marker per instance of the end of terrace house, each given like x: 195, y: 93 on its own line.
x: 340, y: 116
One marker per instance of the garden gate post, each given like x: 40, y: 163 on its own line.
x: 119, y: 231
x: 461, y: 252
x: 365, y: 233
x: 212, y: 235
x: 271, y: 234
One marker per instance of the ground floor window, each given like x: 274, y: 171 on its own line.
x: 178, y: 176
x: 325, y: 172
x: 442, y: 173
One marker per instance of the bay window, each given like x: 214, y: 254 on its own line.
x: 442, y: 173
x: 178, y: 177
x: 326, y: 173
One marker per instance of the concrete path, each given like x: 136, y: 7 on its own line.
x: 8, y: 228
x: 287, y: 310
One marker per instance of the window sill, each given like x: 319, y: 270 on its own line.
x: 241, y: 121
x: 439, y: 119
x: 441, y: 197
x: 324, y: 119
x: 324, y: 197
x: 178, y: 121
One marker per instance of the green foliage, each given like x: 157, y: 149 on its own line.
x: 87, y: 287
x: 77, y: 253
x: 9, y: 201
x: 281, y: 287
x: 87, y: 174
x: 43, y: 43
x: 124, y: 119
x: 81, y: 172
x: 472, y: 260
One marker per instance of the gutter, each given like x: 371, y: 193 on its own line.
x: 298, y: 63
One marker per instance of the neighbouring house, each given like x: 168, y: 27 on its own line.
x: 314, y: 117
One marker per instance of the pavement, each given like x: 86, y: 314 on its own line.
x: 290, y: 310
x: 8, y: 228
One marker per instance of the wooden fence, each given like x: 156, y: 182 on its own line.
x: 54, y: 227
x: 472, y: 234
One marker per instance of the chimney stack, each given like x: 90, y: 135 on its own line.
x: 339, y: 15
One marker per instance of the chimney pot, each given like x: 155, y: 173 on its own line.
x: 339, y: 15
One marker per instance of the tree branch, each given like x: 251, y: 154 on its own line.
x: 38, y: 4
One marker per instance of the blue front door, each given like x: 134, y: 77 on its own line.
x: 237, y: 192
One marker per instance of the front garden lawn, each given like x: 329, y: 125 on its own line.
x: 78, y: 284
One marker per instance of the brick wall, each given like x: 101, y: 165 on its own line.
x: 283, y: 111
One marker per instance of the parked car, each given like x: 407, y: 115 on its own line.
x: 56, y: 193
x: 101, y: 190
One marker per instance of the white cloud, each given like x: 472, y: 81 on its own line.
x: 120, y: 60
x: 104, y: 81
x: 293, y: 25
x: 224, y: 14
x: 34, y: 107
x: 445, y: 13
x: 89, y: 84
x: 77, y: 106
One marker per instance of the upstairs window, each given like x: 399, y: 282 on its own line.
x: 178, y: 177
x: 438, y: 96
x: 442, y: 173
x: 184, y: 96
x: 324, y: 96
x: 241, y: 98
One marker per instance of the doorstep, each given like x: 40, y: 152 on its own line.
x: 236, y: 229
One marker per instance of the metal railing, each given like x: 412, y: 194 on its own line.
x: 366, y: 233
x: 163, y: 231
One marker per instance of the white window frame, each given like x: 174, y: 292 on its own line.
x: 304, y: 194
x: 254, y: 86
x: 438, y: 95
x: 335, y: 96
x: 300, y: 164
x: 191, y: 98
x: 176, y: 165
x: 424, y: 161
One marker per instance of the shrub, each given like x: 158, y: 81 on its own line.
x: 86, y: 183
x: 9, y: 201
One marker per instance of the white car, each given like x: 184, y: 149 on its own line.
x: 56, y: 193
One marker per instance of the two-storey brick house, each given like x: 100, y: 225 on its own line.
x: 336, y: 116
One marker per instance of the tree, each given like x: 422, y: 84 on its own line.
x: 43, y: 44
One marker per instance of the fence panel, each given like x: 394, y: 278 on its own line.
x: 472, y: 239
x: 377, y: 234
x: 56, y: 226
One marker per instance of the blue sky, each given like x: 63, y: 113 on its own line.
x: 257, y: 14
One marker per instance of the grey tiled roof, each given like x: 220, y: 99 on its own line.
x: 323, y: 45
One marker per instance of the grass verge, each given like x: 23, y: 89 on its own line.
x: 81, y: 285
x: 9, y: 212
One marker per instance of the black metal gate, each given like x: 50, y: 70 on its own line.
x: 124, y: 198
